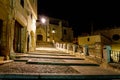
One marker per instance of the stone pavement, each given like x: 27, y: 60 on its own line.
x: 49, y: 63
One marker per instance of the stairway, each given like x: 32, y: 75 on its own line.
x: 3, y: 61
x: 44, y: 44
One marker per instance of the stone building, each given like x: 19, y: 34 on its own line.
x: 113, y: 34
x: 17, y: 26
x: 106, y: 36
x: 98, y: 45
x: 91, y: 40
x: 53, y: 30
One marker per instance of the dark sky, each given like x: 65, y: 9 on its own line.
x: 81, y: 13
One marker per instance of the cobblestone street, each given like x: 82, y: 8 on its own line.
x: 50, y: 61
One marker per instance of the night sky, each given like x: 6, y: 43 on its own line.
x: 82, y: 14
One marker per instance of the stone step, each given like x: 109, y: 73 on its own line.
x: 54, y: 76
x: 44, y: 44
x: 50, y: 57
x: 61, y: 63
x: 5, y: 61
x: 50, y: 54
x: 54, y: 62
x: 1, y: 58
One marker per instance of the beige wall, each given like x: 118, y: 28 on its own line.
x: 105, y: 40
x: 11, y: 11
x: 5, y: 28
x: 89, y: 40
x: 27, y: 17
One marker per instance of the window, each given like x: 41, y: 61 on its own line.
x: 22, y: 3
x: 115, y: 37
x: 31, y: 16
x: 88, y: 39
x: 65, y: 32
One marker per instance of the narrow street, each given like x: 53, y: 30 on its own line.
x: 49, y: 63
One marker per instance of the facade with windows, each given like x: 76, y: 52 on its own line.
x: 17, y: 26
x: 55, y: 30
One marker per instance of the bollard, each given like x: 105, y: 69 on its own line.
x: 75, y: 48
x: 68, y: 47
x: 86, y: 50
x: 108, y: 48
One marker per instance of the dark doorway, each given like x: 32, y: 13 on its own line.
x: 17, y: 37
x: 1, y: 28
x: 39, y: 37
x: 28, y: 40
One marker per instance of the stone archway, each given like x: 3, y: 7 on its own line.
x: 40, y: 34
x: 17, y: 37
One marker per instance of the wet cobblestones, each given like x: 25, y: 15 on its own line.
x: 55, y: 62
x: 22, y: 67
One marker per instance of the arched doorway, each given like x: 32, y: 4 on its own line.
x: 17, y: 37
x: 28, y: 40
x: 1, y: 27
x: 39, y: 37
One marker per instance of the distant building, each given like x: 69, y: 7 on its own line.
x: 97, y: 45
x: 53, y: 30
x: 106, y: 36
x: 17, y: 26
x: 112, y: 34
x: 91, y: 40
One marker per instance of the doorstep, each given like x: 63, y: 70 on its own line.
x: 5, y: 61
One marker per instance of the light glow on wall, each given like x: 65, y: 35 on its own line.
x: 43, y: 20
x: 53, y: 31
x: 33, y: 25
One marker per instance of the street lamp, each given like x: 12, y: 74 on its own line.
x: 44, y: 21
x: 53, y: 32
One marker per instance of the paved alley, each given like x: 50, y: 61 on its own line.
x: 51, y: 63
